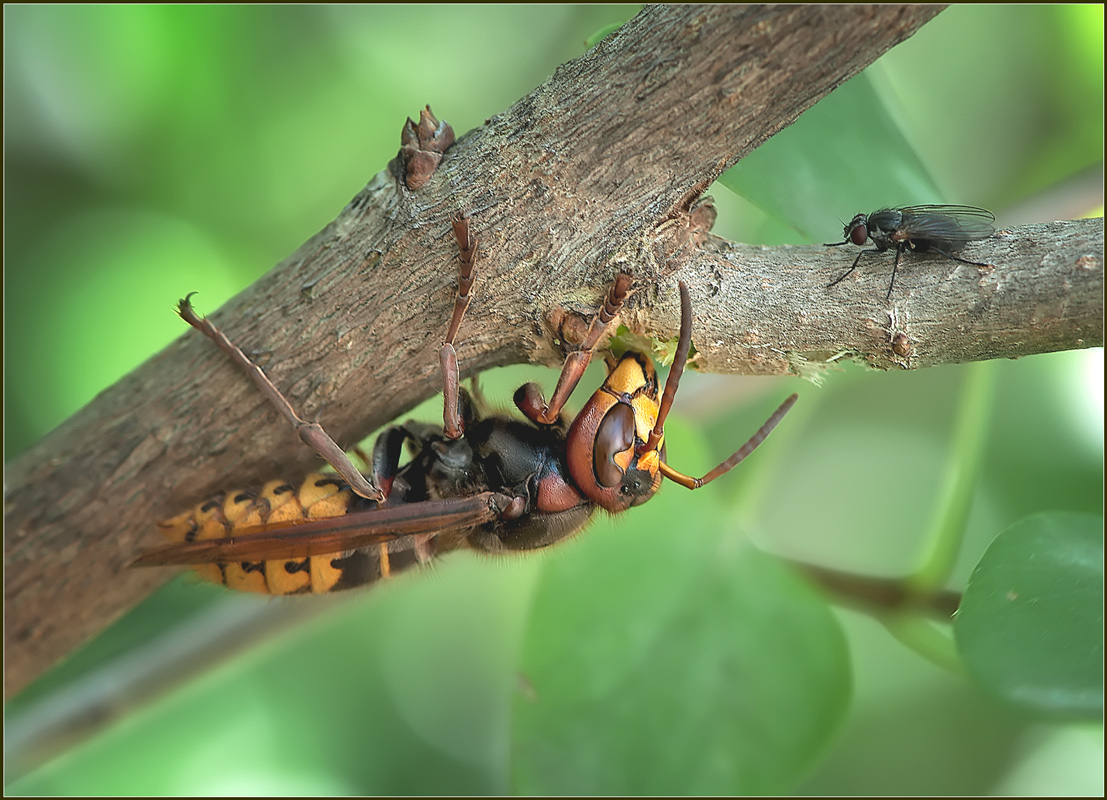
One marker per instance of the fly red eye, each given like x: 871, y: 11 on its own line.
x: 859, y: 233
x: 615, y: 435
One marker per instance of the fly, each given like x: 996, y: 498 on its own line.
x: 943, y: 229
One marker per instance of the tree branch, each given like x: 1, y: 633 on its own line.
x: 597, y: 170
x: 768, y: 310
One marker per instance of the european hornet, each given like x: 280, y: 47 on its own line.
x: 485, y: 482
x: 939, y: 228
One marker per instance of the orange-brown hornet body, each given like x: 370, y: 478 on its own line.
x: 490, y: 483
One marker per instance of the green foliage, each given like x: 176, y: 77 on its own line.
x: 847, y: 151
x: 700, y: 666
x: 156, y: 150
x: 1031, y: 623
x: 601, y: 34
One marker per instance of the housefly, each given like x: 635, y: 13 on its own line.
x: 943, y: 229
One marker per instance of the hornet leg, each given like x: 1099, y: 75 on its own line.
x: 452, y: 425
x: 529, y: 397
x: 311, y: 433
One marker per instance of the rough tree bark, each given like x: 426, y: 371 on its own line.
x: 599, y: 169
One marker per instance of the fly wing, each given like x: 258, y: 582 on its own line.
x: 949, y: 224
x: 334, y: 534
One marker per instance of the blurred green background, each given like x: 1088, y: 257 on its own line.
x: 155, y: 150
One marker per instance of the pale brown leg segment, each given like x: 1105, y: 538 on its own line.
x: 451, y: 379
x: 311, y: 433
x: 529, y: 398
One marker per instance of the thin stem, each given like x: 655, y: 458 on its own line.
x: 881, y: 596
x: 947, y: 529
x: 927, y: 639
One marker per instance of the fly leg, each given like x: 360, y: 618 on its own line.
x: 452, y: 416
x: 895, y: 266
x: 952, y: 257
x: 529, y: 397
x: 846, y: 274
x: 311, y: 433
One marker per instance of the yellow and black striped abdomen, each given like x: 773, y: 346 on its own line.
x: 317, y: 497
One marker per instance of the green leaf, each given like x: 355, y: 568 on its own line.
x: 675, y: 659
x: 601, y: 34
x: 846, y: 148
x: 1030, y: 626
